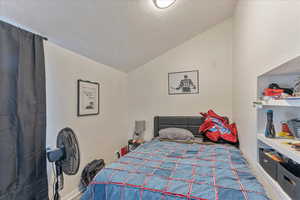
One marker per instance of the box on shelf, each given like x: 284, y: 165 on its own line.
x: 289, y: 179
x: 269, y: 165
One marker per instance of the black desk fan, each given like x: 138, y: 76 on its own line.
x: 66, y: 157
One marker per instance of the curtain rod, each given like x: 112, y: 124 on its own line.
x: 17, y: 26
x: 43, y: 37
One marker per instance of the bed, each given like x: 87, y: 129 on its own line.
x: 177, y: 171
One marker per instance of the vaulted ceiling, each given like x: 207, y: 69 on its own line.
x: 123, y: 34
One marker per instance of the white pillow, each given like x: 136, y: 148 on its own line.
x: 176, y: 134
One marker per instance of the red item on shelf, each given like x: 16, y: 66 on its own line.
x: 273, y: 92
x: 285, y: 128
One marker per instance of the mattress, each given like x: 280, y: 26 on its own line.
x: 176, y: 171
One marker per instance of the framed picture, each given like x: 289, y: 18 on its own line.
x: 185, y: 82
x: 88, y: 98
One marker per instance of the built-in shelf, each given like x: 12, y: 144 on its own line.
x: 292, y: 102
x: 278, y: 145
x: 281, y: 194
x: 284, y: 109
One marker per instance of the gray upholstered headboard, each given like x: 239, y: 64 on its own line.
x: 190, y: 123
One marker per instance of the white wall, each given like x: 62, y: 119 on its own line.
x: 210, y: 53
x: 98, y: 136
x: 266, y: 34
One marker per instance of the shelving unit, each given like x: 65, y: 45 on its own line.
x: 285, y: 76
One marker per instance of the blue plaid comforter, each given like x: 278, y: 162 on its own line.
x: 175, y: 171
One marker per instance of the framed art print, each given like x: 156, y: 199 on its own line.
x: 88, y: 98
x: 185, y: 82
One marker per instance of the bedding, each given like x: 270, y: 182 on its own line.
x: 177, y: 171
x: 176, y: 134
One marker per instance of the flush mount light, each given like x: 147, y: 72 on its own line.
x: 163, y: 3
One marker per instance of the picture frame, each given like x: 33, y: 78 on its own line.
x: 184, y: 82
x: 88, y: 94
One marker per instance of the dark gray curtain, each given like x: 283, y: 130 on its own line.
x: 23, y: 172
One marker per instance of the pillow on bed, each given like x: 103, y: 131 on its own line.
x: 176, y: 134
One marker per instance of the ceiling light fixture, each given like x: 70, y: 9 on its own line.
x: 163, y: 3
